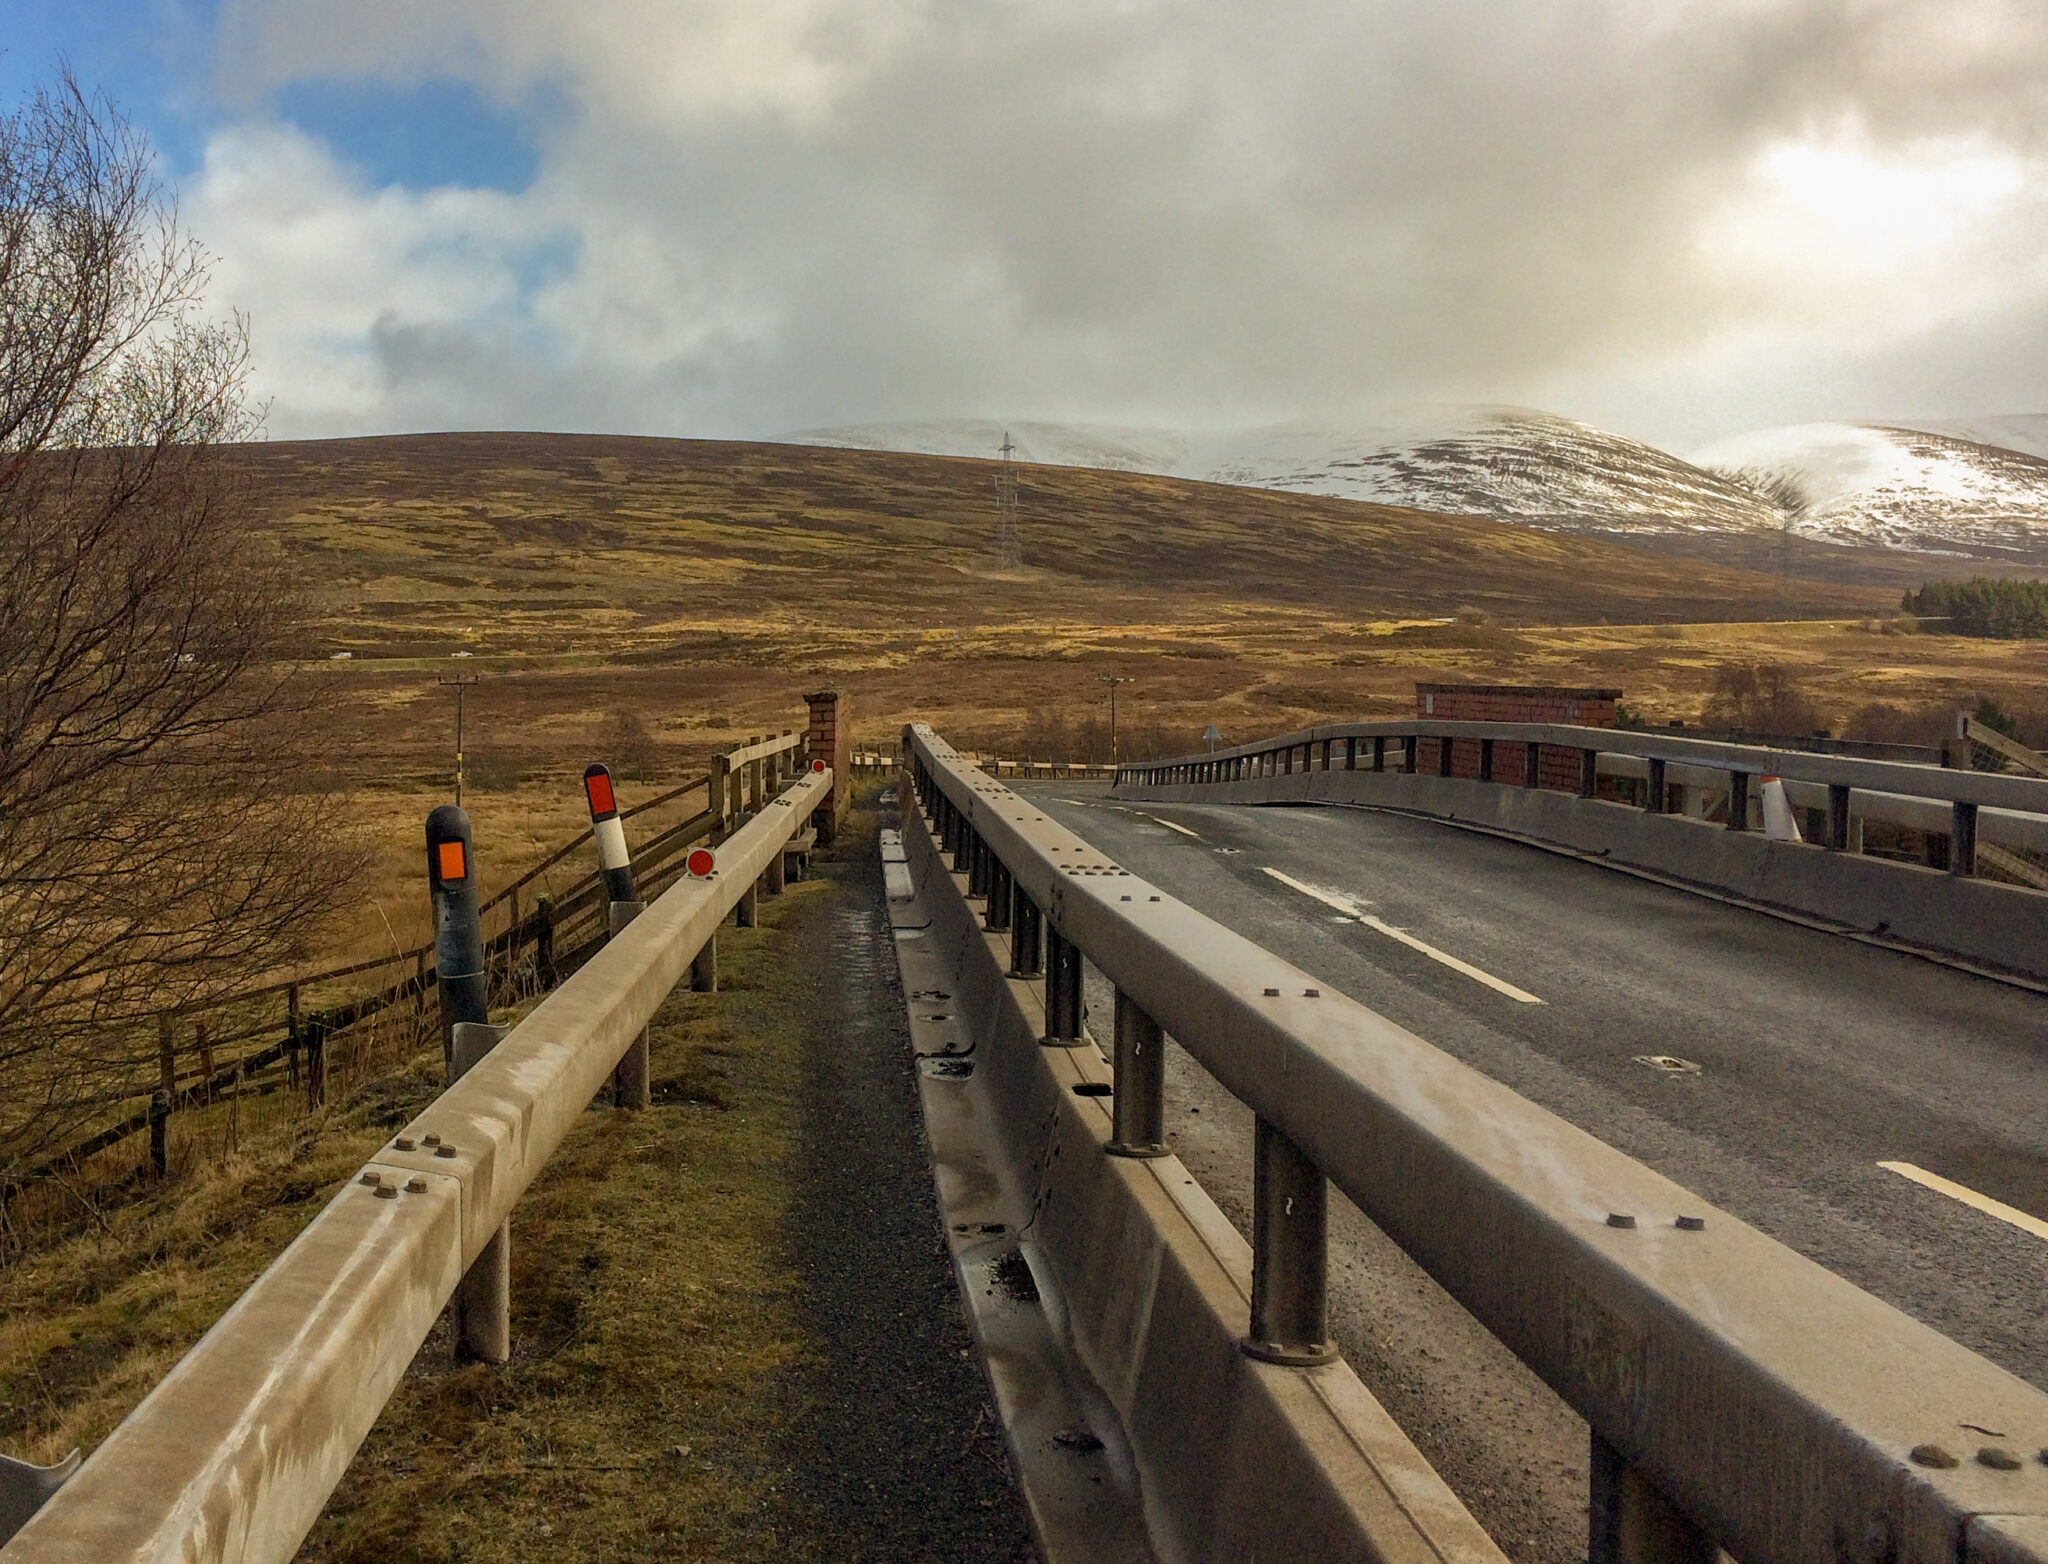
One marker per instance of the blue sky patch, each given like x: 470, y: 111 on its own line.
x: 439, y: 133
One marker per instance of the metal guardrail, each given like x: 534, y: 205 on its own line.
x: 1740, y: 1396
x: 233, y: 1455
x: 1373, y: 746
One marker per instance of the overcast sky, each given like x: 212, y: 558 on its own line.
x: 1676, y: 218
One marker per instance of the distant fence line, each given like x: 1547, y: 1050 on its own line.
x: 267, y: 1039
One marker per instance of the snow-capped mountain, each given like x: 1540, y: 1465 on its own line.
x: 1513, y: 463
x: 1976, y: 487
x: 1905, y: 488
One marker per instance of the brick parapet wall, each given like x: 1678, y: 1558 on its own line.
x: 829, y: 737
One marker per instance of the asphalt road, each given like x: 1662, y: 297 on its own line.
x: 1813, y: 1059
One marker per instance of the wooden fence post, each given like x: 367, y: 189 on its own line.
x: 291, y: 1035
x: 166, y: 1094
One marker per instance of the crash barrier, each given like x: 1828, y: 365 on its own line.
x: 271, y: 1038
x: 1903, y: 853
x: 1739, y: 1395
x: 1106, y: 1290
x: 233, y: 1455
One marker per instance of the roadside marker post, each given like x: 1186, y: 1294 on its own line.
x: 483, y: 1300
x: 615, y: 864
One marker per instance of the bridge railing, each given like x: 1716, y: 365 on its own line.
x: 1739, y: 1395
x: 233, y: 1455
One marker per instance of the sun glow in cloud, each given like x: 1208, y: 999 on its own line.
x: 1842, y: 203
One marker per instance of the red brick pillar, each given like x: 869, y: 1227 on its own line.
x: 830, y: 738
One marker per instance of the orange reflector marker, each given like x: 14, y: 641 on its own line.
x: 700, y: 862
x: 449, y: 862
x: 598, y: 784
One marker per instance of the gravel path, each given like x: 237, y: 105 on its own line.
x: 906, y: 1462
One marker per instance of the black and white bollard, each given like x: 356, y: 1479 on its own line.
x: 483, y: 1299
x: 615, y: 862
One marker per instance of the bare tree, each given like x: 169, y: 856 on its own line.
x: 156, y: 840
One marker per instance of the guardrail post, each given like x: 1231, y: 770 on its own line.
x: 1486, y: 760
x: 1654, y: 802
x: 704, y: 967
x: 1062, y: 991
x: 1138, y: 1106
x: 977, y: 865
x: 1962, y: 839
x: 1290, y: 1254
x: 1026, y: 933
x: 544, y: 942
x: 1589, y: 773
x: 1411, y: 754
x: 1738, y: 800
x: 1630, y: 1522
x: 1838, y: 818
x: 1532, y: 765
x: 615, y: 861
x: 1443, y: 757
x: 996, y: 918
x: 483, y: 1298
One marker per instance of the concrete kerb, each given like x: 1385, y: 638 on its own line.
x: 1148, y: 1285
x: 1981, y: 921
x: 233, y: 1455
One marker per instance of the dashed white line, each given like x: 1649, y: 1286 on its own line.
x: 1351, y: 909
x: 1969, y: 1197
x: 1184, y: 831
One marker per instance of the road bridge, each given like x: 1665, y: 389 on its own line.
x: 1777, y: 1069
x: 1681, y: 1217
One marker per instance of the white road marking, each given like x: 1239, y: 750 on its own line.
x: 1350, y: 909
x: 1184, y: 831
x: 1969, y: 1197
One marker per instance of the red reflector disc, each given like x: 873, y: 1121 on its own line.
x: 817, y: 765
x: 599, y: 787
x: 448, y: 861
x: 701, y: 863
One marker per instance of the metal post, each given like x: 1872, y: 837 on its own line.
x: 1738, y: 800
x: 977, y: 865
x: 1629, y: 1522
x: 1026, y: 931
x: 483, y: 1298
x: 776, y: 875
x: 1653, y: 803
x: 1443, y: 757
x: 1411, y: 754
x: 1379, y: 752
x: 704, y: 967
x: 963, y: 842
x: 629, y: 1076
x: 1138, y: 1109
x: 1589, y: 773
x: 1962, y: 839
x: 1351, y: 754
x: 1062, y: 991
x: 996, y: 918
x: 1486, y: 760
x: 1532, y: 765
x: 1290, y: 1254
x: 1838, y: 818
x: 746, y: 912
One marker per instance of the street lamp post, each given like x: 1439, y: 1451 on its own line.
x: 1112, y: 680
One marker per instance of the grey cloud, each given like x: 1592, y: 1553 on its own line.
x: 1208, y: 211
